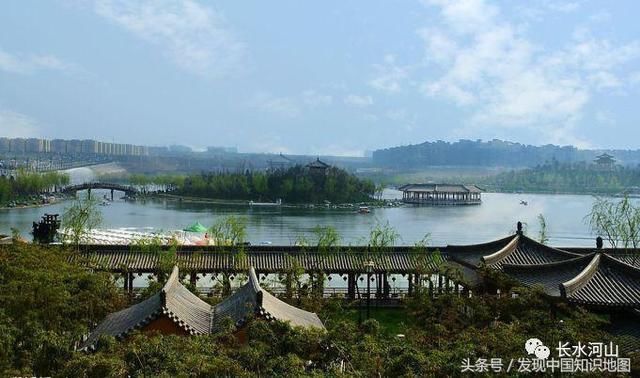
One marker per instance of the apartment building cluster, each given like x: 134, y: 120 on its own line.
x: 73, y: 147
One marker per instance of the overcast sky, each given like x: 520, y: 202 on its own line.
x: 334, y: 77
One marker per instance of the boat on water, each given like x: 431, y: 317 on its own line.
x: 523, y: 203
x: 277, y: 203
x: 364, y: 210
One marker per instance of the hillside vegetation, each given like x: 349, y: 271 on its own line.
x: 494, y: 153
x: 566, y: 178
x: 47, y: 304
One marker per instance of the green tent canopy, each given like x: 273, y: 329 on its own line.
x: 196, y: 227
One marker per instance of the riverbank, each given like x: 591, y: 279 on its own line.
x: 560, y: 193
x: 32, y: 203
x: 247, y: 203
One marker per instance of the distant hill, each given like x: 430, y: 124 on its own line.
x: 494, y: 153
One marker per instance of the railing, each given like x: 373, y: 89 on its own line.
x: 100, y: 185
x: 328, y: 292
x: 432, y: 201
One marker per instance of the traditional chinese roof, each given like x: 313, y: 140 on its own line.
x: 629, y: 256
x: 523, y: 250
x: 441, y: 188
x: 251, y: 300
x: 196, y: 317
x: 550, y: 275
x: 185, y: 309
x: 471, y: 255
x: 595, y: 279
x: 515, y: 250
x: 606, y: 281
x: 265, y: 259
x: 604, y: 158
x: 632, y: 259
x: 625, y: 327
x: 318, y: 164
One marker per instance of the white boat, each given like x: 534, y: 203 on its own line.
x: 364, y: 210
x: 277, y: 203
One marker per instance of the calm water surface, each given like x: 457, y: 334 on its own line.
x: 494, y: 218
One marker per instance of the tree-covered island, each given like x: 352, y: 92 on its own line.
x: 296, y: 185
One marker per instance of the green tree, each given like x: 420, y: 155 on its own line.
x: 618, y: 222
x: 542, y: 233
x: 46, y: 305
x: 79, y: 219
x: 229, y: 231
x: 382, y: 236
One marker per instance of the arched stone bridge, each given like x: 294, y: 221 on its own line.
x: 127, y: 189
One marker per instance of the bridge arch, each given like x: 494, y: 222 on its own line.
x: 88, y: 186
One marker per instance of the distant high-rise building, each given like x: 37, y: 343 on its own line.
x: 18, y: 145
x: 59, y: 146
x: 34, y: 145
x: 72, y: 147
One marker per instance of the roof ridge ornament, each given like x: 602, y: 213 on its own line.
x: 574, y: 284
x: 501, y: 254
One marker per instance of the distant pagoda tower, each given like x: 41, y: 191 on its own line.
x: 318, y: 167
x: 604, y: 162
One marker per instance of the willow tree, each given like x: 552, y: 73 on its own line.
x: 79, y: 219
x: 543, y: 237
x: 230, y: 232
x: 382, y: 236
x: 327, y: 239
x: 618, y: 222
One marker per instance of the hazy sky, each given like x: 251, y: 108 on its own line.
x: 335, y: 77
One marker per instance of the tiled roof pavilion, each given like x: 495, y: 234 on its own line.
x: 187, y: 312
x: 596, y: 279
x: 252, y: 299
x: 189, y: 315
x: 585, y: 276
x: 599, y: 278
x: 516, y: 249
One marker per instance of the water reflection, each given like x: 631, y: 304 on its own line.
x: 495, y: 218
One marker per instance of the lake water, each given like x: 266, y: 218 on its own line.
x: 494, y: 218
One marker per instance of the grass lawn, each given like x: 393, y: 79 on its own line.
x: 392, y: 320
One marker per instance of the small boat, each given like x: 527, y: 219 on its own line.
x: 363, y: 210
x: 524, y: 203
x: 277, y: 203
